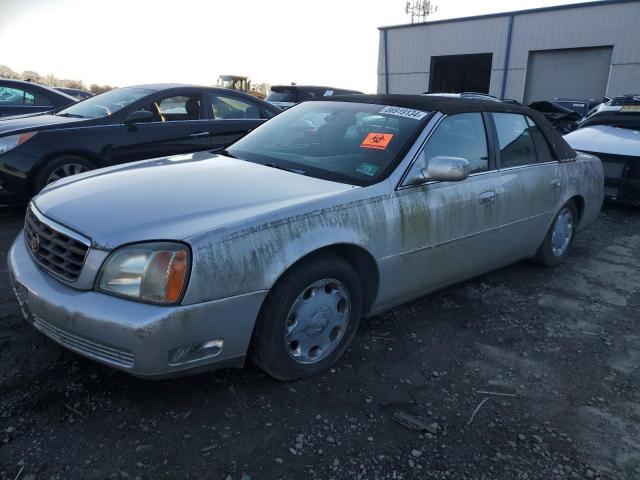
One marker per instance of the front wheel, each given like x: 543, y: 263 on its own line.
x: 556, y: 244
x: 60, y: 167
x: 309, y: 319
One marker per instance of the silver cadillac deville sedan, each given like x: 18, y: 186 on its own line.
x: 275, y: 248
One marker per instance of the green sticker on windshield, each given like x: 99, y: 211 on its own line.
x: 367, y: 169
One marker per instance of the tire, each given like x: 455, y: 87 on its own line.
x: 308, y: 319
x: 553, y: 252
x: 57, y: 167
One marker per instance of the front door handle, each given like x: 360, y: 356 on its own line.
x: 487, y: 198
x: 199, y: 134
x: 556, y: 183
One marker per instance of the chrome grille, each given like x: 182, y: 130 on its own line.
x: 100, y: 351
x: 55, y: 250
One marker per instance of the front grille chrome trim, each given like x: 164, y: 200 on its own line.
x: 61, y: 251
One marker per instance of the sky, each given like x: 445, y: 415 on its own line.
x: 127, y: 42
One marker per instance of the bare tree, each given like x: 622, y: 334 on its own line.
x: 96, y: 89
x: 77, y: 84
x: 6, y: 72
x: 52, y: 80
x: 31, y: 76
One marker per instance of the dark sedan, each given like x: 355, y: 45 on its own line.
x: 123, y: 125
x: 19, y: 98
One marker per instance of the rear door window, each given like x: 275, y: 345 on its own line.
x: 539, y: 140
x: 29, y: 99
x: 232, y: 108
x: 42, y: 101
x: 515, y: 140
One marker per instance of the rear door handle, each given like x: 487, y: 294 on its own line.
x: 199, y: 134
x: 556, y: 183
x: 487, y: 198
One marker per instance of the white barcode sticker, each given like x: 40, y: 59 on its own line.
x: 404, y: 112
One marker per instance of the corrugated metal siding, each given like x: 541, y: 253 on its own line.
x: 590, y: 26
x: 570, y: 73
x: 410, y: 48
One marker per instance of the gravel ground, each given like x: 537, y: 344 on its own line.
x: 525, y: 373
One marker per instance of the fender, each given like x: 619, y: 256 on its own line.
x: 253, y: 258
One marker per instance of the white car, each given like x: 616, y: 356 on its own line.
x: 613, y: 135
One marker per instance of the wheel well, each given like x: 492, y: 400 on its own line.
x: 362, y: 262
x: 579, y: 201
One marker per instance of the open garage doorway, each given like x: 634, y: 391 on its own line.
x: 460, y: 73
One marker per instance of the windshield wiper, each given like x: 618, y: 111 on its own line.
x: 71, y: 115
x: 280, y: 167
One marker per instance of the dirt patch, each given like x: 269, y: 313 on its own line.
x: 547, y: 359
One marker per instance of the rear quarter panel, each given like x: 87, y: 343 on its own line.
x: 584, y: 178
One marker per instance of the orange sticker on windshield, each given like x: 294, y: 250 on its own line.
x: 378, y: 141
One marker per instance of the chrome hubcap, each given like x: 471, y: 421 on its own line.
x: 562, y: 232
x: 317, y: 321
x: 66, y: 170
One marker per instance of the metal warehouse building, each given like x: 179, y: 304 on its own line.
x: 584, y: 50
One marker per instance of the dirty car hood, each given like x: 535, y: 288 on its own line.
x: 174, y: 197
x: 605, y: 139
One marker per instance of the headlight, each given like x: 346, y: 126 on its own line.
x: 149, y: 272
x: 12, y: 141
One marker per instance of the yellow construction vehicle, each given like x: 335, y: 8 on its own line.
x: 241, y: 84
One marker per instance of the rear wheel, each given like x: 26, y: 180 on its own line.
x: 556, y: 244
x: 60, y: 167
x: 309, y: 319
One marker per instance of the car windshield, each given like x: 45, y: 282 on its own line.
x: 105, y: 103
x: 354, y: 143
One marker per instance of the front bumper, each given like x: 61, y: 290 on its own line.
x: 127, y: 335
x: 622, y: 178
x: 15, y: 171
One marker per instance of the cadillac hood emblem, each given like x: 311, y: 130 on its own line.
x: 34, y: 242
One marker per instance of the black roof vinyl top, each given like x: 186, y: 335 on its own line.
x: 452, y: 106
x: 432, y: 103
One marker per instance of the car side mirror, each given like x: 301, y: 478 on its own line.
x: 447, y: 169
x: 139, y: 116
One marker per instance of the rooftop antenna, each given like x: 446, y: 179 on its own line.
x: 419, y: 10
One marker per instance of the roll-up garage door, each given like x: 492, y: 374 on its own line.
x: 568, y: 73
